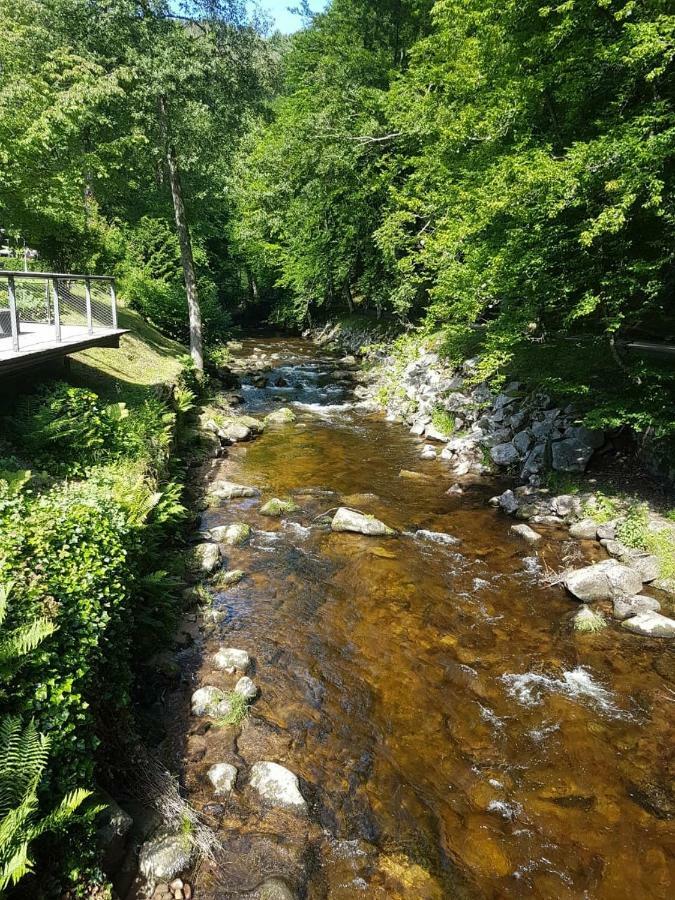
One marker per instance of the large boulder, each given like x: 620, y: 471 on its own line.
x: 277, y: 786
x: 504, y: 454
x: 526, y: 533
x: 651, y: 624
x: 350, y: 520
x: 571, y: 455
x: 606, y: 580
x: 164, y: 856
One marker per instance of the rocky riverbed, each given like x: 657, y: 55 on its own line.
x: 403, y: 679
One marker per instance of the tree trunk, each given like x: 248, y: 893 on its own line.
x: 183, y: 231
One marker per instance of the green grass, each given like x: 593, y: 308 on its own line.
x: 442, y: 420
x: 145, y: 358
x: 587, y: 621
x: 237, y: 713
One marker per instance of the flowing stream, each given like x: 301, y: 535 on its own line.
x: 453, y: 735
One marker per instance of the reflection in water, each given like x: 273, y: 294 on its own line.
x: 455, y: 737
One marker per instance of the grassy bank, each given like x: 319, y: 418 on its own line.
x: 90, y: 497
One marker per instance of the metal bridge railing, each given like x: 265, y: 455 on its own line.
x: 48, y: 307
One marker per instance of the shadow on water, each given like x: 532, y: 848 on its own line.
x: 454, y: 735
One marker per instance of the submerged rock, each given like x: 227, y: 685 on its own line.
x: 438, y: 537
x: 350, y: 520
x: 227, y: 579
x: 651, y: 624
x: 223, y: 777
x: 282, y: 416
x: 606, y: 580
x: 232, y: 658
x: 210, y: 701
x: 164, y: 856
x: 277, y: 785
x: 526, y: 533
x: 276, y: 507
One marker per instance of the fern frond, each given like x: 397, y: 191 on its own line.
x: 15, y: 867
x: 22, y: 640
x: 62, y: 814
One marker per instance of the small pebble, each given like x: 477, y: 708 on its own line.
x: 176, y: 885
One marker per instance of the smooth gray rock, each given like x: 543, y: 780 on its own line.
x: 234, y: 432
x: 648, y: 565
x: 606, y: 532
x: 438, y: 537
x: 350, y: 520
x: 584, y: 530
x: 246, y: 688
x: 232, y: 658
x: 651, y: 624
x: 606, y: 580
x: 277, y: 785
x: 164, y: 856
x: 210, y: 701
x: 229, y: 490
x: 526, y: 533
x: 626, y: 607
x: 428, y: 452
x: 504, y: 454
x: 434, y: 434
x: 205, y: 558
x: 223, y: 777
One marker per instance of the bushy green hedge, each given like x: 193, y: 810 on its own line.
x: 88, y: 554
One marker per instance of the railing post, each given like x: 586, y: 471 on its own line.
x: 87, y: 300
x: 13, y: 321
x: 113, y: 303
x: 57, y: 312
x: 47, y: 303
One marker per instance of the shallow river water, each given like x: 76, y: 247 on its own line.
x: 453, y: 735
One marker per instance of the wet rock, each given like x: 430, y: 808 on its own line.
x: 234, y: 535
x: 223, y: 777
x: 504, y: 454
x: 246, y: 688
x: 508, y: 502
x: 277, y: 785
x: 584, y: 530
x: 438, y: 537
x: 229, y: 490
x: 414, y: 476
x: 205, y: 558
x: 428, y: 452
x: 627, y: 607
x: 418, y: 428
x: 164, y: 856
x: 232, y: 658
x: 276, y: 507
x: 210, y: 701
x: 227, y: 579
x: 651, y: 624
x: 274, y: 889
x: 350, y: 520
x: 233, y: 432
x: 607, y: 580
x: 526, y: 533
x: 281, y: 416
x: 455, y: 489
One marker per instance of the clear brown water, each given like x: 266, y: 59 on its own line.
x: 454, y: 736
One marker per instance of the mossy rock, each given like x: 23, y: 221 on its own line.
x: 283, y: 416
x: 276, y: 507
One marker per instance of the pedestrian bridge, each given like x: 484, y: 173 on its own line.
x: 47, y: 315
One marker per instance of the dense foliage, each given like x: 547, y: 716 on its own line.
x: 83, y: 546
x: 500, y: 170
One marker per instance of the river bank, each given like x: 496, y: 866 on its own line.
x: 451, y: 731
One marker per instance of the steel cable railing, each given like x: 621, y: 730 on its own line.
x: 49, y: 307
